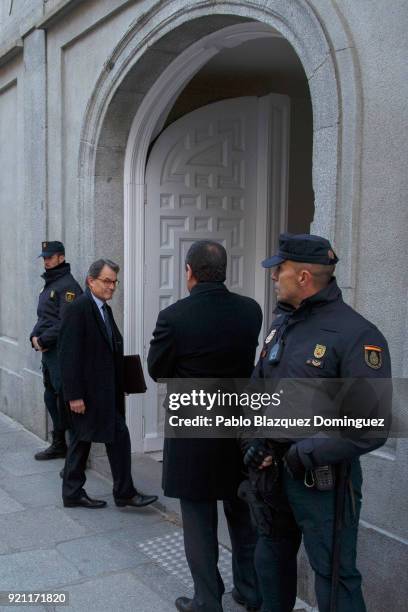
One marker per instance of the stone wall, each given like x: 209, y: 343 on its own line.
x: 69, y: 89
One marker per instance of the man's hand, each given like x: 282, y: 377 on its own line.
x: 34, y: 342
x: 267, y: 462
x: 77, y: 406
x: 37, y: 346
x: 257, y: 455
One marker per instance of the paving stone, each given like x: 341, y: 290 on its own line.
x: 7, y: 424
x: 44, y: 489
x: 38, y: 528
x: 22, y: 463
x: 229, y: 605
x: 35, y: 570
x: 133, y: 536
x: 163, y: 583
x: 32, y: 608
x: 11, y: 440
x: 120, y: 592
x: 98, y: 554
x: 3, y: 475
x: 8, y: 504
x: 35, y: 490
x: 112, y: 518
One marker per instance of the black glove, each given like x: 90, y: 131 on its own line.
x: 256, y: 453
x: 293, y: 464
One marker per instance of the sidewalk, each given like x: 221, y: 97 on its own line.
x: 107, y: 560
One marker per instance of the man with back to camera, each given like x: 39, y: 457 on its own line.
x: 59, y: 291
x: 91, y: 355
x: 315, y: 335
x: 212, y: 333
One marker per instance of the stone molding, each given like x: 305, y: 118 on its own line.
x: 332, y: 70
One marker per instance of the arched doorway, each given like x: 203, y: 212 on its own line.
x: 136, y: 80
x: 161, y: 221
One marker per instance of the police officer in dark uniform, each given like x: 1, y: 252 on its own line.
x: 59, y: 291
x: 314, y: 335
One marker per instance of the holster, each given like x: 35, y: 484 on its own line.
x: 268, y: 505
x: 261, y: 513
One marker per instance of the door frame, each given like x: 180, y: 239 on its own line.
x: 266, y: 136
x: 147, y: 124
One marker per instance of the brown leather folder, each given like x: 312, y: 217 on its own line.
x: 134, y: 380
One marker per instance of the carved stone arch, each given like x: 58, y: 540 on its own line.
x: 325, y: 49
x: 137, y: 81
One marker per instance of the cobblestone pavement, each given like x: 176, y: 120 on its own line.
x: 105, y: 560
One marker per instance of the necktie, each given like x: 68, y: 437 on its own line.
x: 107, y: 323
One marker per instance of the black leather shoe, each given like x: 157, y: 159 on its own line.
x: 56, y: 450
x: 184, y: 604
x: 84, y: 502
x: 137, y: 501
x: 237, y: 597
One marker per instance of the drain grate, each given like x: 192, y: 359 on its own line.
x: 168, y: 552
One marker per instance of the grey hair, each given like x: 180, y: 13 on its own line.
x: 96, y: 267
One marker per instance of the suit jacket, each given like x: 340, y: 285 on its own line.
x: 213, y: 333
x: 91, y: 368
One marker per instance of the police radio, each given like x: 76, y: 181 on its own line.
x: 276, y: 352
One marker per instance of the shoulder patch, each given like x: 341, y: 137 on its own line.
x: 69, y: 296
x: 373, y: 356
x: 319, y: 351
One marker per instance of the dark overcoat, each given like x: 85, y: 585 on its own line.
x: 92, y: 368
x: 213, y: 333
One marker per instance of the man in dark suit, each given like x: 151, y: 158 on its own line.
x: 91, y: 357
x: 213, y: 333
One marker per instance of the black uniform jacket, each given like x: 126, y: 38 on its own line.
x: 92, y: 368
x: 59, y: 291
x: 213, y: 333
x: 326, y: 338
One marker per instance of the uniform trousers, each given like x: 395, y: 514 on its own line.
x: 119, y: 455
x: 200, y: 522
x: 314, y: 513
x: 52, y: 390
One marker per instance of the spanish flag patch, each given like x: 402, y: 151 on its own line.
x: 373, y: 356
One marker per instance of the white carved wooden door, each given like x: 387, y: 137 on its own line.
x: 202, y: 181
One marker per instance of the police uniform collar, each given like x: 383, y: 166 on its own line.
x: 329, y: 294
x: 54, y: 273
x: 284, y: 308
x: 204, y: 287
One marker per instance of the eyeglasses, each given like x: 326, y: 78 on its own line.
x: 108, y: 282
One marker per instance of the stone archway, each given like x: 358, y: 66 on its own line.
x: 137, y: 74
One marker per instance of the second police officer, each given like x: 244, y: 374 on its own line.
x: 314, y: 335
x: 60, y: 289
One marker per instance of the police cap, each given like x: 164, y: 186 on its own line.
x: 52, y: 248
x: 306, y: 248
